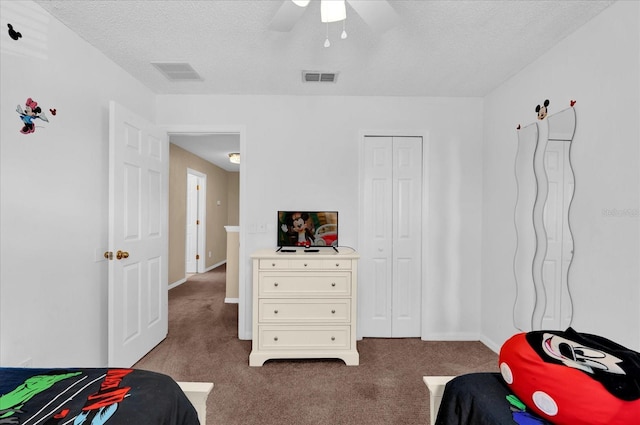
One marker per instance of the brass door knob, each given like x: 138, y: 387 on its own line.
x: 122, y: 254
x: 108, y: 255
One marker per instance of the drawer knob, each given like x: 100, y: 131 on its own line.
x: 275, y: 338
x: 337, y: 264
x: 333, y: 338
x: 333, y: 284
x: 333, y: 312
x: 275, y: 283
x: 273, y: 264
x: 275, y: 311
x: 305, y: 264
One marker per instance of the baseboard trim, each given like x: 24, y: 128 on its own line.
x: 491, y: 344
x: 232, y: 300
x: 216, y: 265
x: 184, y: 279
x: 177, y: 283
x: 464, y: 337
x: 452, y: 336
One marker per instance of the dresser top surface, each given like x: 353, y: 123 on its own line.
x: 343, y: 252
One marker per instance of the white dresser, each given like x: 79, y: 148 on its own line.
x: 304, y: 305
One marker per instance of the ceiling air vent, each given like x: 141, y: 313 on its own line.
x: 175, y: 71
x: 319, y: 77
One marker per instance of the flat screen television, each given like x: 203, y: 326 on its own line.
x: 307, y: 229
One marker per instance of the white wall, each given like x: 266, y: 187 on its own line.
x: 599, y: 67
x: 298, y: 152
x: 302, y: 153
x: 53, y: 187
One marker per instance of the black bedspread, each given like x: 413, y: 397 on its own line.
x: 481, y: 399
x: 92, y: 397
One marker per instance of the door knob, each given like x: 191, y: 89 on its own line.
x: 122, y: 254
x: 108, y: 255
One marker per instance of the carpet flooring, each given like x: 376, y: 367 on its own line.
x: 386, y: 388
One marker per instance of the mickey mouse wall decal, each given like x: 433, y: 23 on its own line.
x: 572, y: 102
x: 53, y: 111
x: 13, y: 34
x: 542, y: 110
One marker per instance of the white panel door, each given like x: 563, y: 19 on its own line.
x: 376, y: 261
x: 138, y: 205
x: 391, y: 277
x: 191, y: 252
x: 407, y: 236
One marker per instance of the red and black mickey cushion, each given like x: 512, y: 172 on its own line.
x: 571, y: 378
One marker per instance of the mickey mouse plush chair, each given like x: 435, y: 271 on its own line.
x: 571, y: 378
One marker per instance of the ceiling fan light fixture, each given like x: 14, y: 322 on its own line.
x: 332, y: 10
x: 301, y: 3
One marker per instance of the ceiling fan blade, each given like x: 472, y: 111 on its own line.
x: 378, y: 14
x: 286, y: 17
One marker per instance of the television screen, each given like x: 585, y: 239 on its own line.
x: 308, y: 228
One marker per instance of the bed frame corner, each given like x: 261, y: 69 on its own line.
x: 435, y: 385
x: 197, y: 393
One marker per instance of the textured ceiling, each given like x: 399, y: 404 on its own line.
x: 438, y: 48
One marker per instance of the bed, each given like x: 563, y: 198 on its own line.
x: 546, y: 376
x: 96, y: 396
x: 475, y: 398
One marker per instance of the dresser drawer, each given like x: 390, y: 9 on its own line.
x: 274, y: 264
x: 322, y: 285
x: 304, y: 264
x: 304, y: 311
x: 291, y: 264
x: 273, y: 337
x: 337, y: 264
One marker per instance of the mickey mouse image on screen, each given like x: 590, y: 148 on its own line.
x: 542, y: 110
x: 29, y: 115
x: 299, y: 229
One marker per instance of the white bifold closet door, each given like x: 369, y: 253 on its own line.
x: 390, y: 266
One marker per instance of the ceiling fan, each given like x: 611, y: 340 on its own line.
x: 378, y: 14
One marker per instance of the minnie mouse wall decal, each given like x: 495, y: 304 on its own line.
x: 28, y: 116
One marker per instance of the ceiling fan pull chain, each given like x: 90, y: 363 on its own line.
x: 327, y: 43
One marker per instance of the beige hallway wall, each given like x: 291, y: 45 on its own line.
x: 233, y: 215
x: 218, y: 189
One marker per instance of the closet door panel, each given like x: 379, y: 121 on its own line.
x: 376, y: 261
x: 407, y: 237
x: 390, y: 283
